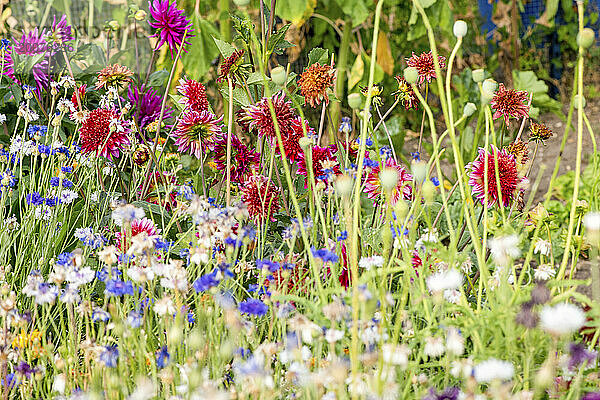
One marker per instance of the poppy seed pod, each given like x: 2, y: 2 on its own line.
x: 478, y: 75
x: 585, y: 38
x: 278, y: 76
x: 469, y: 109
x: 411, y: 75
x: 460, y: 28
x: 354, y: 100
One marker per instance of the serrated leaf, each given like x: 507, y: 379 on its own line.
x: 240, y: 97
x: 277, y: 43
x: 225, y: 48
x: 318, y: 55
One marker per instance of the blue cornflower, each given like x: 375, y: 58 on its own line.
x: 11, y: 379
x: 435, y: 181
x: 110, y: 356
x: 191, y: 318
x: 345, y: 125
x: 325, y: 255
x: 164, y: 245
x: 100, y: 315
x: 369, y: 142
x: 272, y: 266
x: 61, y: 150
x: 37, y: 130
x: 370, y: 163
x: 343, y: 236
x: 44, y: 150
x: 34, y: 199
x: 7, y: 179
x: 51, y: 201
x: 260, y: 289
x: 385, y: 151
x: 163, y: 358
x: 117, y: 287
x: 55, y: 181
x: 186, y: 191
x: 134, y: 319
x: 67, y: 169
x: 253, y: 307
x: 206, y: 281
x: 64, y: 259
x: 4, y: 44
x: 415, y: 156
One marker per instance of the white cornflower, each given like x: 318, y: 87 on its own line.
x: 440, y: 281
x: 434, y: 347
x: 43, y: 213
x: 492, y: 370
x: 333, y: 335
x: 395, y: 354
x: 60, y: 383
x: 562, y: 319
x: 127, y: 213
x: 504, y: 248
x: 543, y: 247
x: 544, y: 272
x: 455, y: 343
x: 452, y: 296
x: 165, y: 306
x: 67, y: 196
x: 591, y: 221
x: 370, y: 262
x: 427, y: 237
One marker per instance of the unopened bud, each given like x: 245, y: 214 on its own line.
x: 241, y: 3
x: 419, y: 171
x: 478, y: 75
x: 389, y: 178
x: 585, y: 38
x: 140, y: 15
x: 354, y: 100
x: 428, y: 191
x: 278, y: 76
x: 460, y: 28
x: 114, y: 25
x: 411, y: 75
x: 576, y: 100
x: 305, y: 143
x: 469, y: 109
x: 343, y: 185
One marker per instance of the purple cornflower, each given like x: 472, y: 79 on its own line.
x: 34, y: 199
x: 591, y: 396
x: 580, y: 355
x: 450, y: 393
x: 148, y: 104
x: 110, y: 356
x: 253, y: 307
x: 135, y: 319
x: 163, y: 358
x: 60, y: 33
x: 272, y: 266
x: 171, y: 23
x: 24, y: 369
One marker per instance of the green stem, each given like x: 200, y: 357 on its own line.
x: 342, y: 68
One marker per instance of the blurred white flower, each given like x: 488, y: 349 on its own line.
x: 395, y: 354
x: 446, y: 280
x: 544, y: 272
x: 543, y: 247
x: 562, y: 319
x: 452, y: 296
x: 455, y: 343
x: 370, y: 262
x: 333, y: 335
x: 127, y: 213
x: 504, y: 248
x: 434, y: 347
x: 492, y: 370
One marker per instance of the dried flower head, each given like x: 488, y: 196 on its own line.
x: 509, y: 103
x: 539, y: 132
x: 425, y: 65
x: 519, y: 150
x: 405, y: 94
x: 230, y: 67
x: 114, y: 75
x: 314, y: 83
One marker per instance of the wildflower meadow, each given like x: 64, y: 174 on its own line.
x: 298, y: 200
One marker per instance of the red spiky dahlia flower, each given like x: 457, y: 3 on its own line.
x: 104, y: 132
x: 194, y: 95
x: 260, y: 118
x: 243, y: 158
x: 137, y: 227
x: 261, y: 198
x: 197, y: 132
x: 509, y: 103
x: 324, y: 162
x: 425, y: 65
x: 511, y: 182
x: 403, y: 188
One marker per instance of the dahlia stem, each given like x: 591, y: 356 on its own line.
x: 224, y: 20
x: 387, y: 113
x: 423, y: 120
x: 342, y: 68
x: 387, y: 133
x: 321, y: 123
x: 572, y: 216
x: 525, y: 118
x: 229, y: 130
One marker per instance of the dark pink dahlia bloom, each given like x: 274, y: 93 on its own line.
x: 425, y: 65
x: 30, y: 45
x: 197, y: 132
x: 61, y: 32
x: 510, y: 180
x: 171, y: 24
x: 403, y: 189
x: 509, y: 103
x: 148, y: 104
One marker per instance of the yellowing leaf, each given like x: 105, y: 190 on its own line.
x: 356, y: 73
x: 384, y: 54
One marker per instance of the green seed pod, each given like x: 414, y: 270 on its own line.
x: 241, y: 3
x: 576, y: 101
x: 411, y: 75
x: 460, y: 28
x: 478, y: 75
x: 428, y: 191
x: 469, y: 109
x: 279, y: 76
x: 586, y: 38
x: 354, y: 100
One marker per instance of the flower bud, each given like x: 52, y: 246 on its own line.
x: 576, y: 100
x: 343, y: 185
x: 478, y: 75
x: 305, y: 143
x: 140, y: 15
x: 278, y: 76
x: 460, y: 28
x: 489, y: 86
x: 419, y: 171
x: 241, y: 3
x: 428, y: 191
x: 469, y: 109
x: 585, y: 38
x: 411, y: 75
x: 354, y: 100
x: 114, y: 25
x: 389, y: 178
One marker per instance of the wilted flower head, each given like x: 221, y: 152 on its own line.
x: 562, y: 319
x: 114, y: 75
x: 314, y: 83
x: 230, y: 67
x: 406, y: 95
x: 509, y: 178
x: 539, y: 132
x: 509, y: 103
x: 519, y: 150
x: 171, y: 24
x: 425, y: 65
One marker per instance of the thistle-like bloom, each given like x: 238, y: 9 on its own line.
x: 148, y: 104
x: 260, y: 119
x: 314, y: 83
x: 243, y: 158
x: 230, y: 67
x: 171, y: 24
x: 324, y: 162
x: 197, y: 132
x: 510, y: 180
x: 508, y: 103
x: 539, y: 132
x: 114, y: 75
x: 61, y: 33
x: 425, y: 65
x: 261, y: 198
x: 104, y: 133
x: 138, y: 226
x: 194, y: 95
x: 406, y: 95
x: 31, y: 44
x: 403, y: 189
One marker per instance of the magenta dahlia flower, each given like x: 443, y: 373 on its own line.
x: 511, y: 182
x: 31, y: 44
x: 197, y: 132
x: 138, y: 226
x: 243, y: 158
x: 403, y: 188
x: 193, y: 95
x: 508, y: 103
x: 260, y: 118
x: 324, y: 162
x: 60, y: 33
x: 171, y: 23
x: 104, y: 133
x: 147, y: 105
x: 425, y: 65
x: 261, y: 197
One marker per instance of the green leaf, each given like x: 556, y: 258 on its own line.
x: 291, y: 10
x: 277, y: 43
x: 202, y: 49
x: 158, y: 78
x: 256, y: 77
x: 527, y: 80
x: 356, y: 9
x: 243, y: 27
x: 225, y: 48
x: 318, y: 55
